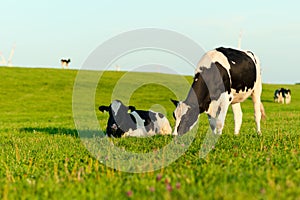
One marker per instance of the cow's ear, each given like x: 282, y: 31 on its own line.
x: 131, y: 108
x: 175, y: 102
x: 104, y: 108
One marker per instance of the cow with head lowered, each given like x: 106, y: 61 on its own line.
x: 224, y: 76
x: 127, y: 121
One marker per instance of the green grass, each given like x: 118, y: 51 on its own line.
x: 42, y: 157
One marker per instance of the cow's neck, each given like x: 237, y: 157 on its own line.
x: 198, y: 95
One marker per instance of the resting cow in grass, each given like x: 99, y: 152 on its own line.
x: 137, y: 123
x: 223, y: 76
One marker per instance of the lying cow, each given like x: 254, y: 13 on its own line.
x: 224, y: 76
x: 137, y: 123
x: 282, y: 95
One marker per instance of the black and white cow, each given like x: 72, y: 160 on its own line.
x: 223, y: 76
x: 282, y: 95
x: 65, y: 62
x: 137, y: 123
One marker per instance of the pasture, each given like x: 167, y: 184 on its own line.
x: 42, y: 157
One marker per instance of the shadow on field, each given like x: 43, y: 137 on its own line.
x: 269, y: 101
x: 62, y: 131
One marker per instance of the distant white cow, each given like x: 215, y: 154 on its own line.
x: 224, y: 76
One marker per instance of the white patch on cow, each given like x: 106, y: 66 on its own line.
x: 217, y: 111
x: 238, y: 117
x: 280, y: 98
x: 115, y: 106
x: 180, y: 110
x: 139, y: 121
x: 135, y: 133
x: 241, y: 95
x: 114, y: 126
x: 233, y: 62
x: 162, y: 125
x: 288, y: 98
x: 212, y: 57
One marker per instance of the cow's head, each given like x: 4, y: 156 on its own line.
x: 186, y: 117
x: 118, y: 112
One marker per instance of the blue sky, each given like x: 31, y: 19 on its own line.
x: 45, y: 31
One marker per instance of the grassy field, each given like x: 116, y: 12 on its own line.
x: 42, y: 157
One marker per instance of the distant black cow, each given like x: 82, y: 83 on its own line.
x: 224, y: 76
x: 282, y: 95
x: 137, y: 123
x: 65, y: 62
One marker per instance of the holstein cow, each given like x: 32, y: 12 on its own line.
x: 282, y: 95
x: 223, y: 76
x: 65, y: 62
x: 137, y: 123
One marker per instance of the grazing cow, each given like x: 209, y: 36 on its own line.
x: 223, y: 76
x: 282, y: 95
x: 65, y: 62
x: 137, y: 123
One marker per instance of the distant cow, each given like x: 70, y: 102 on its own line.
x: 282, y: 95
x: 224, y: 76
x: 65, y: 62
x: 137, y: 123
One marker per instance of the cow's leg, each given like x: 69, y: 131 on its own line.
x: 221, y: 118
x: 212, y: 123
x: 238, y: 117
x: 140, y: 132
x: 257, y: 106
x: 288, y: 99
x: 217, y: 113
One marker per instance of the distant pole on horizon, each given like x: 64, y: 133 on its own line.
x: 118, y: 68
x: 8, y: 62
x: 240, y: 40
x: 12, y: 52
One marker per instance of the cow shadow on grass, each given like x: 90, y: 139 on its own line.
x: 64, y: 131
x: 267, y: 101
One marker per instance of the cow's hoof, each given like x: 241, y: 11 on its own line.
x: 259, y: 133
x: 125, y: 135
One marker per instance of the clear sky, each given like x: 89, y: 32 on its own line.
x: 46, y: 31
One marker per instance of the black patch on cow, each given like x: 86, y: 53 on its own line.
x: 208, y: 86
x: 123, y: 120
x: 131, y: 108
x: 148, y: 117
x: 218, y: 111
x: 276, y: 94
x: 187, y: 120
x: 160, y: 115
x: 243, y: 72
x: 230, y: 98
x: 253, y: 56
x: 133, y: 118
x: 211, y: 122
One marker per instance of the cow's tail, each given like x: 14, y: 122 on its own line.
x: 262, y: 110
